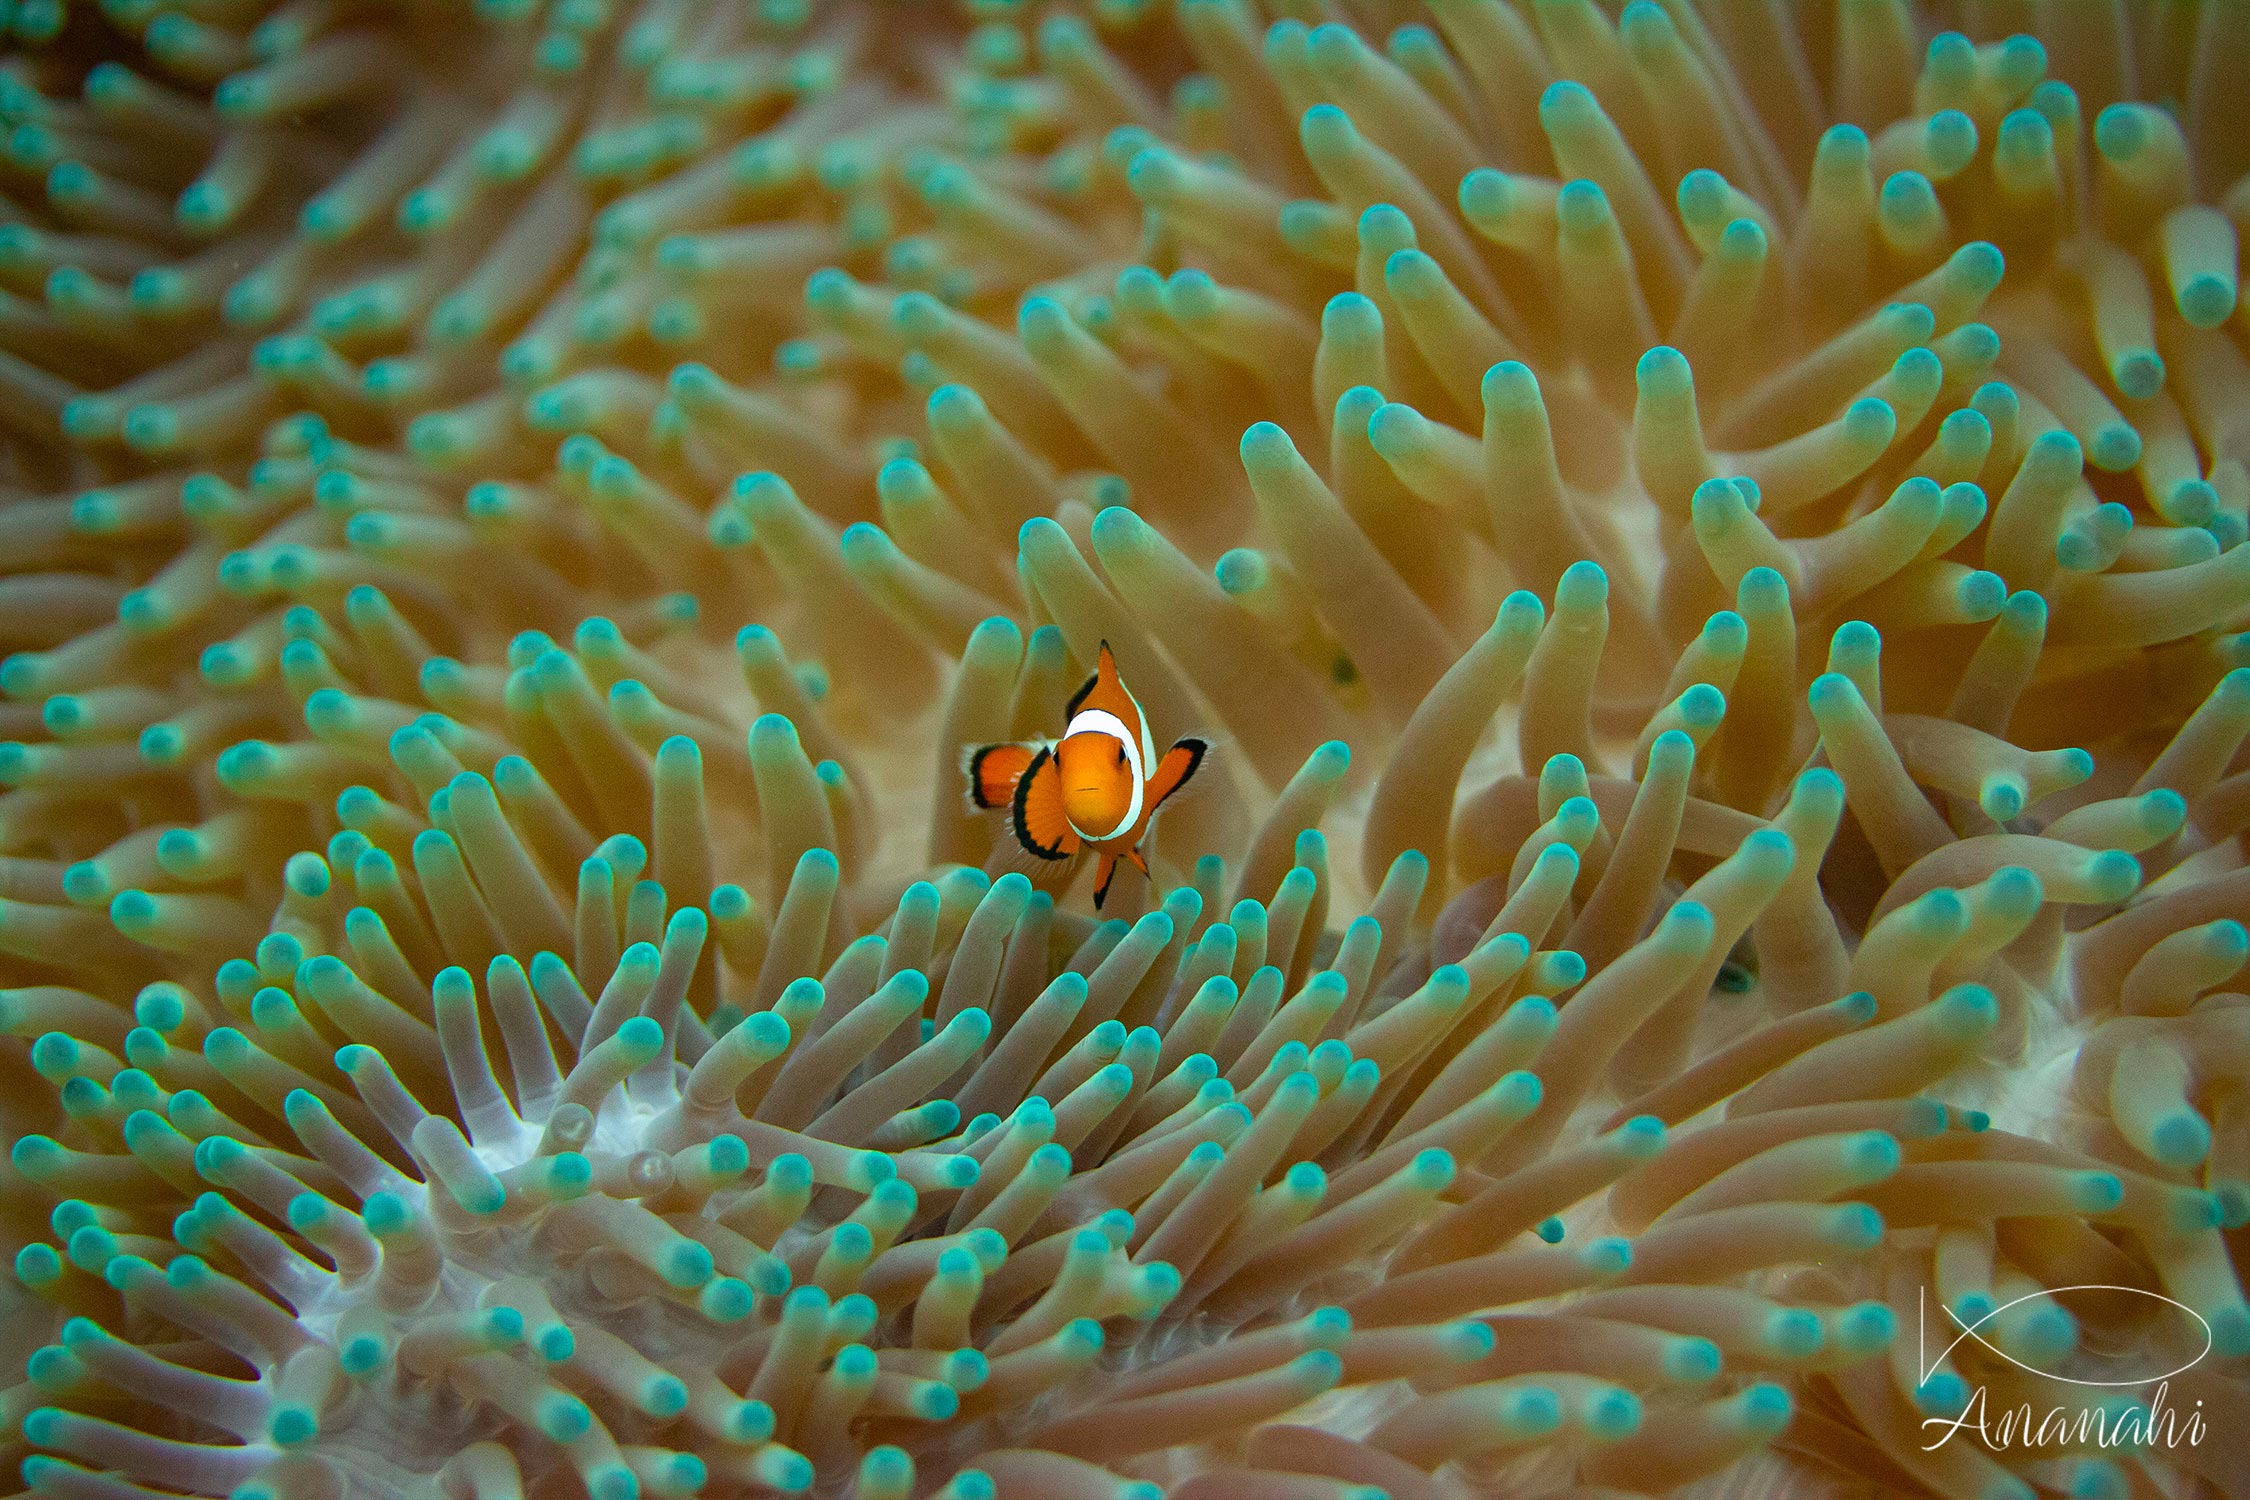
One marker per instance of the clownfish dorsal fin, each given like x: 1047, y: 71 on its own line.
x: 1105, y: 676
x: 1105, y: 692
x: 1078, y: 699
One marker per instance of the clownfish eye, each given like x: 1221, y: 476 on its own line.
x: 1121, y: 752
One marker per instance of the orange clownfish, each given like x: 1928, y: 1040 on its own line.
x: 1097, y: 788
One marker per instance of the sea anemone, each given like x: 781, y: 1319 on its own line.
x: 1709, y: 540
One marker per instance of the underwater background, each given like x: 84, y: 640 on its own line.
x: 1707, y: 539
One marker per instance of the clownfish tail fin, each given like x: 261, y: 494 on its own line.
x: 992, y: 772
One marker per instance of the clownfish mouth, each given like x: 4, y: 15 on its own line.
x: 1114, y: 828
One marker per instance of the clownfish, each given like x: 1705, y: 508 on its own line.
x: 1096, y: 788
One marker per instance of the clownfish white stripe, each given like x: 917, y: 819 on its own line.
x: 1140, y: 717
x: 1100, y: 721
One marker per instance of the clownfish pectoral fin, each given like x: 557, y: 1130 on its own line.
x: 1036, y: 814
x: 1105, y: 870
x: 1138, y: 860
x: 1180, y: 763
x: 993, y: 771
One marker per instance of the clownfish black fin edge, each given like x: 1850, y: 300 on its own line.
x: 1019, y: 819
